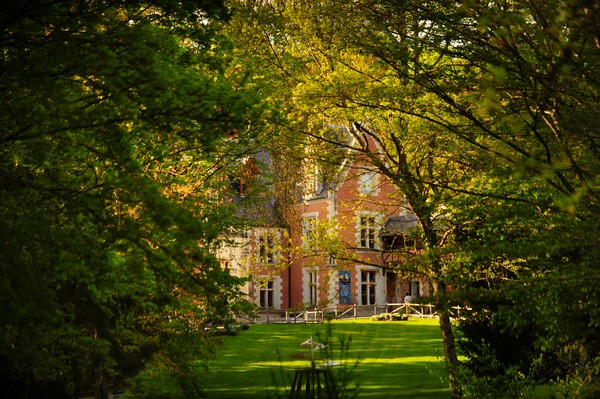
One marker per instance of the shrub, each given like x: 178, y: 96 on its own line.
x: 389, y: 316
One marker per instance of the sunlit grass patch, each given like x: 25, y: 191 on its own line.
x: 395, y: 359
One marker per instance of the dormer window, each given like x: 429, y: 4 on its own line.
x: 313, y: 181
x: 246, y: 179
x: 367, y: 182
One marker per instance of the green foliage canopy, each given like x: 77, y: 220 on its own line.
x: 110, y: 112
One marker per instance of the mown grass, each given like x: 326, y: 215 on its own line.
x: 395, y: 359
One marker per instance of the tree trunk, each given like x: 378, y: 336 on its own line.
x: 451, y: 357
x: 448, y: 341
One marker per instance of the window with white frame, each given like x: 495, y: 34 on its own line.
x: 266, y: 249
x: 309, y: 226
x: 312, y: 288
x: 331, y: 260
x: 266, y: 294
x: 368, y: 284
x: 368, y: 231
x: 367, y: 182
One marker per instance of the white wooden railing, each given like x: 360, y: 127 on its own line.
x: 317, y: 315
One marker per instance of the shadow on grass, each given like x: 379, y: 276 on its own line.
x: 376, y: 380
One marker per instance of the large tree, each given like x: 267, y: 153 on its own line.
x: 110, y: 112
x: 484, y: 114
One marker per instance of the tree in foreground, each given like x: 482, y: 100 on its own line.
x: 110, y: 112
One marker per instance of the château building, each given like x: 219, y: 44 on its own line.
x: 344, y: 244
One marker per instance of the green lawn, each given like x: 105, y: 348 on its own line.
x: 396, y: 359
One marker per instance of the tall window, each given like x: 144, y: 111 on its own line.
x: 266, y: 293
x: 266, y: 249
x: 367, y: 287
x: 367, y: 231
x: 312, y: 181
x: 312, y: 288
x: 309, y: 225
